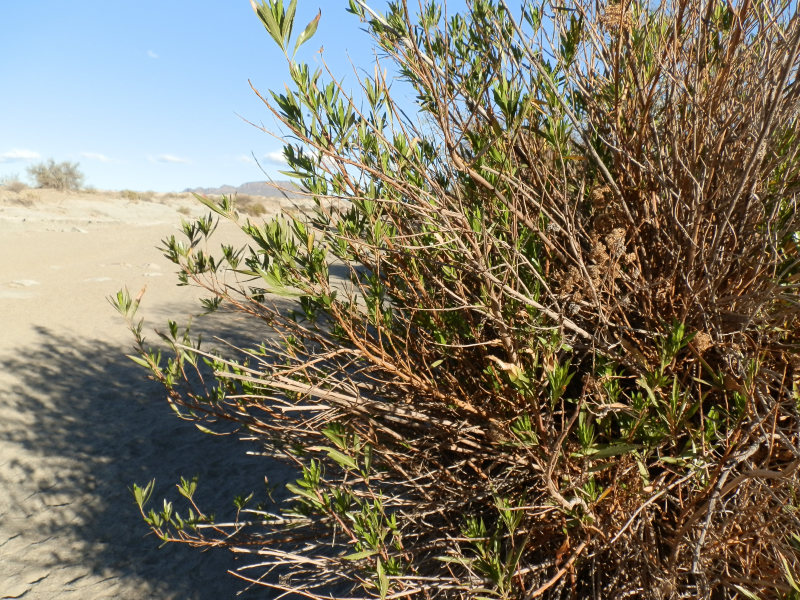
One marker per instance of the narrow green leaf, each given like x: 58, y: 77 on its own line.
x: 360, y: 555
x: 342, y: 459
x: 613, y: 450
x: 207, y: 430
x: 383, y: 581
x: 298, y: 491
x: 288, y: 22
x: 746, y: 593
x: 139, y: 361
x: 212, y: 204
x: 308, y: 32
x: 787, y: 572
x: 276, y: 287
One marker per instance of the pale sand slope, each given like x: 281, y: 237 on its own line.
x: 79, y: 422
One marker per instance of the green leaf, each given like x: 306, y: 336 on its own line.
x: 139, y: 361
x: 207, y: 430
x: 298, y: 491
x: 613, y: 450
x: 746, y: 593
x: 275, y: 286
x: 360, y: 555
x: 343, y: 460
x: 142, y: 495
x: 288, y: 22
x: 213, y: 205
x: 787, y: 572
x: 383, y: 581
x: 308, y: 32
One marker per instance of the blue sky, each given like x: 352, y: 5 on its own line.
x: 150, y: 95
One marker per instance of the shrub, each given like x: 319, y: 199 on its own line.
x: 565, y: 363
x: 251, y: 205
x: 57, y: 176
x: 130, y: 195
x: 13, y: 184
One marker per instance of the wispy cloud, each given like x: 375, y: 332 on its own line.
x: 273, y: 158
x: 96, y: 156
x: 17, y: 155
x: 152, y: 54
x: 170, y: 158
x: 276, y: 157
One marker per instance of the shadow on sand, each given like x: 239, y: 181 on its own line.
x: 89, y: 424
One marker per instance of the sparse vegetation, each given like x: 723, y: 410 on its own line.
x: 566, y: 359
x: 57, y: 176
x: 251, y: 205
x: 13, y: 184
x: 247, y: 204
x: 130, y: 195
x: 133, y: 196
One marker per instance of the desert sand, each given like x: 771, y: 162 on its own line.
x: 80, y: 422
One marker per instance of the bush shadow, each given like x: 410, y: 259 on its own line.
x: 86, y: 424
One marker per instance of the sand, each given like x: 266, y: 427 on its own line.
x: 79, y: 422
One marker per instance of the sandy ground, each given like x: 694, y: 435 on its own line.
x: 79, y: 422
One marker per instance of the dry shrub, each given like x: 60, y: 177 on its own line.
x: 566, y: 363
x: 58, y: 176
x: 13, y: 184
x: 251, y: 205
x: 130, y: 195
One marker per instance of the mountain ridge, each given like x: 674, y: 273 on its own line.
x: 251, y: 188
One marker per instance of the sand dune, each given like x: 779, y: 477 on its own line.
x: 79, y: 422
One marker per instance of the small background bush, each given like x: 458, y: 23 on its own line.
x: 13, y: 184
x: 57, y: 176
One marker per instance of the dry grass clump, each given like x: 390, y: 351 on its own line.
x: 134, y: 196
x: 251, y: 205
x: 13, y: 184
x: 566, y: 362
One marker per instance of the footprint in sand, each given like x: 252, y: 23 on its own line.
x: 19, y: 284
x: 152, y: 270
x: 23, y: 283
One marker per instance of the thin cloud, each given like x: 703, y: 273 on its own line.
x: 245, y: 158
x: 17, y: 155
x: 171, y: 158
x: 96, y: 156
x: 276, y: 157
x: 152, y: 54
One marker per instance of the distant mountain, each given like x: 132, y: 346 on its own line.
x: 253, y: 188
